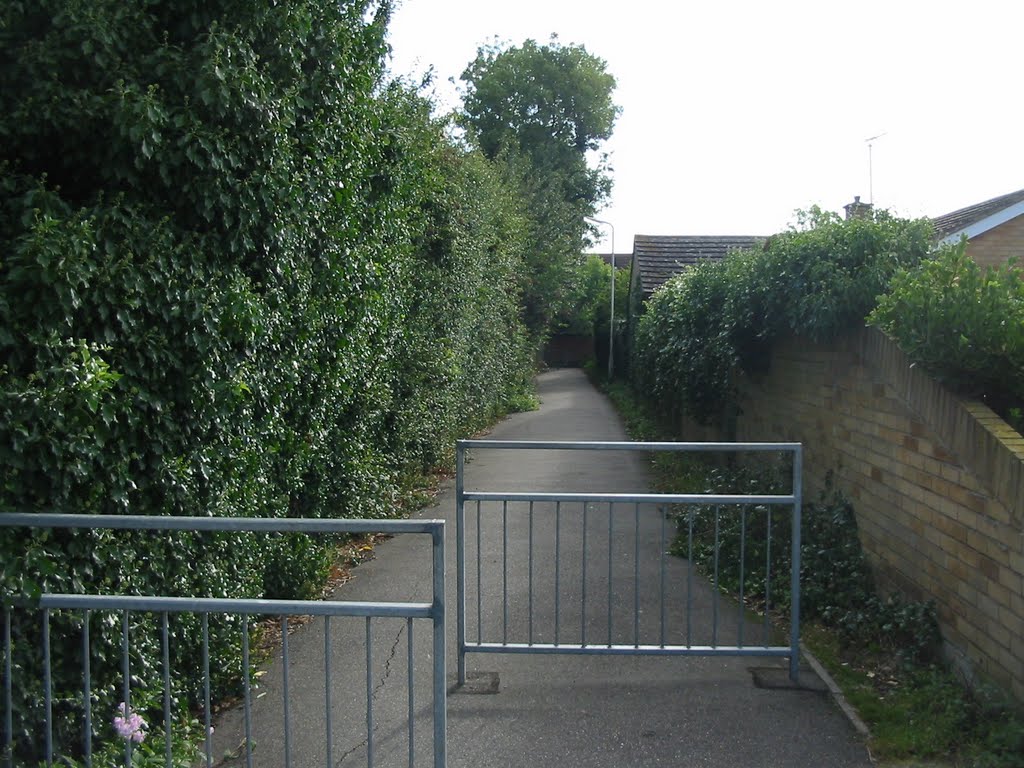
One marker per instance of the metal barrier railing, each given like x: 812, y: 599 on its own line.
x: 582, y: 550
x: 433, y: 611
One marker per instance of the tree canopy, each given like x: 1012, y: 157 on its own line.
x: 538, y: 96
x: 541, y: 111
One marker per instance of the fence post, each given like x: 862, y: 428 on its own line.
x: 794, y: 589
x: 440, y: 652
x: 460, y: 550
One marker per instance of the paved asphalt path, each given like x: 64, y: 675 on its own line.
x: 553, y: 710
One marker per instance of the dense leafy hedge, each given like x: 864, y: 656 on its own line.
x: 964, y: 323
x: 239, y: 276
x: 718, y: 319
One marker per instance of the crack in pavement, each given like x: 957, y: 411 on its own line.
x: 376, y: 689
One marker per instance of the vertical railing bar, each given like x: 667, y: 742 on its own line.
x: 743, y: 555
x: 636, y: 575
x: 440, y: 709
x: 558, y: 539
x: 369, y: 692
x: 87, y: 686
x: 610, y: 539
x: 714, y: 596
x: 8, y: 693
x: 794, y: 629
x: 284, y: 685
x: 479, y: 581
x: 661, y: 585
x: 767, y: 574
x: 327, y: 692
x: 530, y: 581
x: 412, y: 694
x: 206, y: 690
x: 47, y: 687
x: 689, y: 579
x: 504, y: 572
x: 126, y: 683
x: 247, y: 690
x: 460, y: 562
x: 165, y: 642
x: 583, y: 603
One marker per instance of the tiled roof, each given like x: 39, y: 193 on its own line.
x: 957, y: 221
x: 659, y: 257
x: 622, y: 260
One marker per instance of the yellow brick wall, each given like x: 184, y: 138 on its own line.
x: 999, y: 244
x: 937, y: 484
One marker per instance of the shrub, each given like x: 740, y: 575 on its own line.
x: 294, y: 568
x: 718, y: 320
x: 836, y: 583
x: 962, y: 322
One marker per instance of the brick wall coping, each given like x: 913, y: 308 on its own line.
x: 981, y: 440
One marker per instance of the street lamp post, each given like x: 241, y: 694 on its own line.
x: 611, y: 313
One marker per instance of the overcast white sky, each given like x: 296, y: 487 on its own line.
x: 736, y: 113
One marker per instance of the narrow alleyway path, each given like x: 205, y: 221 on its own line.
x: 605, y: 712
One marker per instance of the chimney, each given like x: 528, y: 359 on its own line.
x: 857, y: 209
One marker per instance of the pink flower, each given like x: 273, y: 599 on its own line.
x: 129, y: 725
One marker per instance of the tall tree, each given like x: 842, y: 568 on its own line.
x: 543, y: 111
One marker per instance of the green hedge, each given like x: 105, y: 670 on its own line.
x: 963, y: 323
x: 719, y: 319
x: 239, y: 275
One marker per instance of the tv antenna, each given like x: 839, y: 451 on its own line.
x: 871, y: 175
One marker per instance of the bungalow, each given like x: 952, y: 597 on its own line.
x: 994, y: 228
x: 656, y: 258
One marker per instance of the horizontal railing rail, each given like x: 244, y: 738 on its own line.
x: 235, y: 524
x: 631, y: 498
x: 638, y: 447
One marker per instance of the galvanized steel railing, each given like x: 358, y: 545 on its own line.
x: 568, y: 516
x: 434, y: 611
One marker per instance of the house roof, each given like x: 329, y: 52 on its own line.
x: 656, y: 258
x: 623, y: 258
x: 977, y: 219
